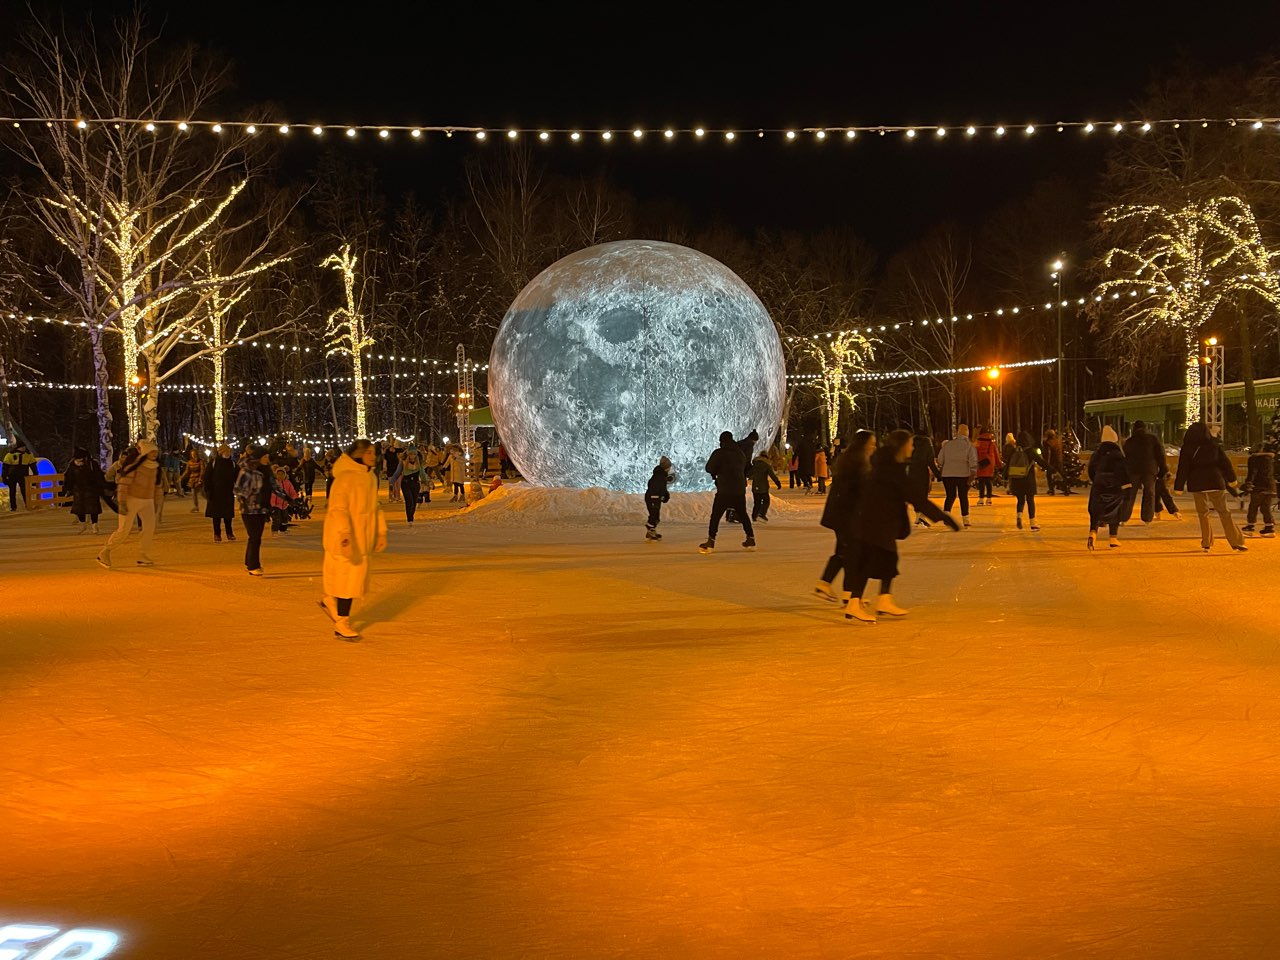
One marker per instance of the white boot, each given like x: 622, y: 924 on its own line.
x: 857, y: 610
x: 823, y: 589
x: 82, y: 527
x: 330, y: 607
x: 343, y: 630
x: 886, y: 605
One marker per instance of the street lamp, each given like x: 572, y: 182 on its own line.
x: 997, y: 395
x: 1058, y: 266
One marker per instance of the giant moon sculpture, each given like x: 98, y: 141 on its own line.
x: 625, y: 352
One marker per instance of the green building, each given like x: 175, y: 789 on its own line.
x: 1165, y: 413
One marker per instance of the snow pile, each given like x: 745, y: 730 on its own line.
x: 526, y: 505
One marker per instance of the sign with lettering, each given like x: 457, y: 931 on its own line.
x: 39, y: 941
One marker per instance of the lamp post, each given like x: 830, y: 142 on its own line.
x: 1058, y: 266
x: 995, y: 387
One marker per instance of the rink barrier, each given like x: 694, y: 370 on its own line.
x: 45, y: 490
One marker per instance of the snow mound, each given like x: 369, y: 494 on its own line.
x: 526, y: 505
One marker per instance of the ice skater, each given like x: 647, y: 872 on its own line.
x: 841, y: 510
x: 220, y: 493
x: 84, y: 483
x: 881, y: 522
x: 254, y: 489
x: 138, y: 489
x: 728, y: 468
x: 1205, y: 470
x: 1109, y: 487
x: 1144, y: 458
x: 761, y: 474
x: 989, y: 462
x: 655, y: 495
x: 354, y: 530
x: 1260, y: 482
x: 922, y: 470
x: 1022, y: 477
x: 958, y: 463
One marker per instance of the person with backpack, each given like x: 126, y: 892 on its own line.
x: 1109, y: 484
x: 958, y: 464
x: 1021, y: 471
x: 988, y: 464
x: 1260, y: 484
x: 1205, y: 470
x: 254, y: 488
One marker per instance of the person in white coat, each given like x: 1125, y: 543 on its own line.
x: 354, y: 530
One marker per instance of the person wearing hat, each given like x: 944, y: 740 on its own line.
x: 84, y: 482
x: 137, y: 489
x: 17, y: 465
x: 728, y: 468
x: 655, y: 495
x: 1109, y: 487
x: 253, y: 490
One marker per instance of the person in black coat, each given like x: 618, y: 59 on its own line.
x: 308, y: 469
x: 880, y: 523
x: 1205, y: 470
x: 219, y: 493
x: 922, y: 470
x: 84, y: 483
x: 841, y: 508
x: 1108, y: 487
x: 1144, y: 457
x: 748, y: 447
x: 728, y: 468
x: 1260, y: 482
x: 1021, y: 472
x: 655, y: 495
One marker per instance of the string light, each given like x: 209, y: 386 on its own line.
x: 880, y: 375
x: 900, y: 325
x: 416, y: 132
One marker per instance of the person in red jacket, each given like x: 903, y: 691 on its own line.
x: 988, y: 463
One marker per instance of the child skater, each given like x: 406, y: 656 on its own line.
x: 655, y: 495
x: 1261, y: 484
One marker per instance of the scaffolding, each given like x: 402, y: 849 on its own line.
x: 466, y: 432
x: 1214, y: 400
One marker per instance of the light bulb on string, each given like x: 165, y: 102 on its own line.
x: 1088, y: 128
x: 384, y: 133
x: 999, y: 131
x: 251, y: 129
x: 911, y: 134
x: 575, y: 136
x: 284, y: 128
x: 668, y: 133
x: 941, y: 131
x: 544, y: 136
x: 850, y: 134
x: 217, y: 128
x: 480, y: 134
x: 415, y: 133
x: 791, y: 134
x: 607, y: 135
x: 700, y: 132
x: 729, y: 135
x: 970, y: 130
x: 821, y: 134
x: 512, y: 133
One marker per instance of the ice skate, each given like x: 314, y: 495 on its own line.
x: 217, y: 538
x: 81, y: 528
x: 966, y: 522
x: 1035, y: 527
x: 707, y: 547
x: 856, y: 610
x: 823, y: 589
x: 886, y: 605
x: 759, y: 519
x: 1240, y: 549
x: 1093, y: 538
x: 1268, y: 531
x: 104, y: 560
x: 1019, y: 521
x: 749, y: 543
x: 329, y: 606
x: 653, y: 536
x: 1114, y: 543
x: 343, y: 630
x: 255, y: 572
x: 922, y: 522
x: 231, y: 538
x: 146, y: 562
x: 95, y: 526
x: 1249, y: 530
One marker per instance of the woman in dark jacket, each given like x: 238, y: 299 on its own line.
x: 1021, y: 470
x: 1108, y: 486
x: 84, y: 482
x: 841, y: 508
x: 1203, y: 468
x: 219, y: 493
x: 922, y: 470
x: 880, y: 523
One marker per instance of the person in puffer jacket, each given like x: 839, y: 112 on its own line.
x: 1203, y: 468
x: 1260, y: 482
x: 1108, y: 487
x: 988, y: 464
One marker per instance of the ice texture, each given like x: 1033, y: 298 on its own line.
x: 625, y: 352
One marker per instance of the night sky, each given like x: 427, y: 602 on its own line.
x: 623, y: 66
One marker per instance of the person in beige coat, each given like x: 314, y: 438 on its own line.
x: 354, y: 530
x: 140, y: 495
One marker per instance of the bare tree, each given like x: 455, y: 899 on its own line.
x: 136, y: 206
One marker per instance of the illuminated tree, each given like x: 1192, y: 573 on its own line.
x: 837, y: 357
x: 1178, y: 268
x: 135, y: 206
x: 345, y: 331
